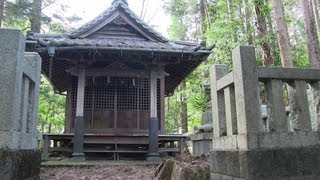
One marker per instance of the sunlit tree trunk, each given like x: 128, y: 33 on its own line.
x: 282, y: 34
x: 183, y: 107
x: 36, y: 16
x: 272, y: 36
x: 230, y: 4
x: 316, y: 11
x: 205, y: 19
x: 203, y: 16
x: 247, y: 18
x: 1, y: 11
x: 313, y: 43
x: 231, y: 16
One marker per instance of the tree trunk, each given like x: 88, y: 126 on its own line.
x: 203, y: 16
x: 263, y: 32
x: 313, y: 43
x: 314, y: 51
x: 205, y: 19
x: 36, y: 16
x: 282, y: 34
x: 230, y: 12
x: 272, y: 36
x: 316, y: 9
x: 286, y: 58
x: 183, y: 107
x: 247, y: 16
x: 1, y: 11
x: 49, y: 128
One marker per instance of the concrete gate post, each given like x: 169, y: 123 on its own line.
x: 19, y: 90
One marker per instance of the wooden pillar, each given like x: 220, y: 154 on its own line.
x: 68, y: 110
x: 78, y: 122
x: 153, y: 121
x: 162, y: 101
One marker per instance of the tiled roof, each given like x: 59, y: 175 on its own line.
x: 115, y: 5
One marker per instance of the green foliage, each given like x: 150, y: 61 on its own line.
x: 226, y: 31
x: 172, y: 114
x: 177, y: 29
x: 51, y: 109
x: 18, y: 13
x: 176, y: 7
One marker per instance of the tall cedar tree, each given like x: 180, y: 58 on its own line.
x: 247, y: 19
x: 282, y: 34
x: 313, y: 48
x: 177, y: 10
x: 204, y: 16
x: 263, y: 32
x: 183, y: 107
x: 36, y: 16
x: 313, y: 43
x: 286, y: 57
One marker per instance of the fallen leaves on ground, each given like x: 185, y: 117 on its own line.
x: 111, y: 172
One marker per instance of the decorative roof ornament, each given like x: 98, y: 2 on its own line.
x: 119, y: 21
x: 119, y: 1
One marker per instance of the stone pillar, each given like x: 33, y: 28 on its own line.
x: 217, y: 99
x: 251, y: 153
x: 247, y: 92
x: 153, y: 122
x: 79, y: 120
x: 19, y: 90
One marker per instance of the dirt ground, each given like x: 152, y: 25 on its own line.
x: 121, y: 172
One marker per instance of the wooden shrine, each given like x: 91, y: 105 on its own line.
x: 115, y: 71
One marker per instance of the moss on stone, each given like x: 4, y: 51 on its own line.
x: 19, y: 164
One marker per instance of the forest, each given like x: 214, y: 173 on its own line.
x: 285, y: 33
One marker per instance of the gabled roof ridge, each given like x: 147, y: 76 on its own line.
x: 48, y: 35
x: 109, y: 11
x: 82, y: 28
x: 117, y: 1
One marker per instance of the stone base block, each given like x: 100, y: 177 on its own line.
x: 29, y: 141
x: 285, y: 163
x: 10, y: 139
x: 18, y: 140
x: 201, y: 143
x: 19, y: 164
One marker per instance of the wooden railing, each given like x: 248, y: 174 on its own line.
x: 113, y: 145
x: 237, y: 97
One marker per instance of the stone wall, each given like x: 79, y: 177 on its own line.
x: 19, y: 78
x: 243, y: 148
